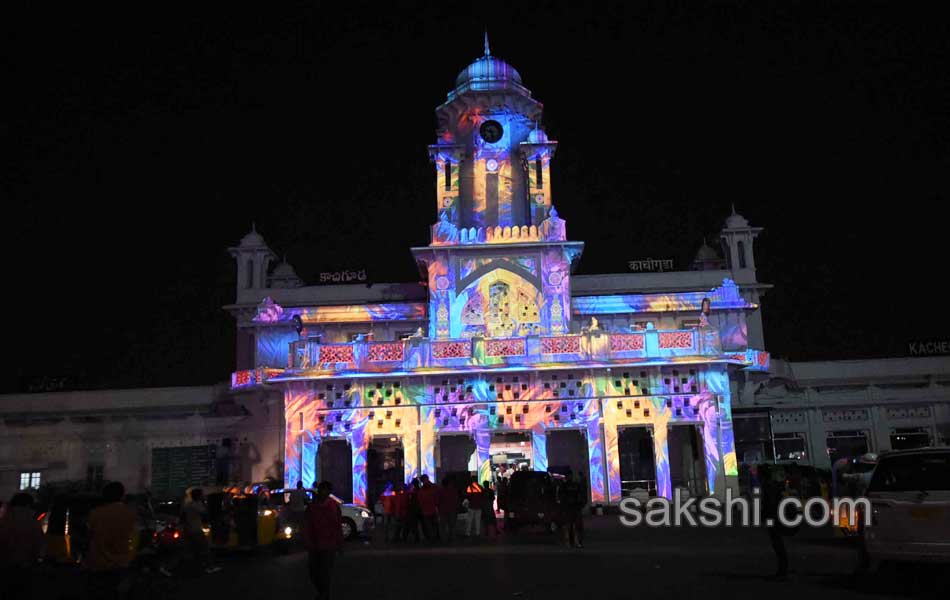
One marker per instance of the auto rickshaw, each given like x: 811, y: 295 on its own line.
x: 240, y: 517
x: 66, y: 529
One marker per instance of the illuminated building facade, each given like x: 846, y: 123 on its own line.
x: 499, y: 358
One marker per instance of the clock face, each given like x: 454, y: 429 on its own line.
x: 491, y: 165
x: 491, y: 131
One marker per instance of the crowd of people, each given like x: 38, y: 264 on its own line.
x: 430, y: 512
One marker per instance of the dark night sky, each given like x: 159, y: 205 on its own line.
x: 145, y: 143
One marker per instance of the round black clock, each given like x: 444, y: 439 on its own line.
x: 491, y: 131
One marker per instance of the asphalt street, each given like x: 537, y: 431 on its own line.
x: 616, y: 562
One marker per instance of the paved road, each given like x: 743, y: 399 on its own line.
x: 616, y: 563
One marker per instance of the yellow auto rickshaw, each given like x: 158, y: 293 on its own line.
x: 66, y: 528
x: 240, y: 517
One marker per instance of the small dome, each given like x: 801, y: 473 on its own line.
x: 537, y: 136
x: 735, y: 220
x: 284, y: 271
x: 706, y: 253
x: 253, y: 239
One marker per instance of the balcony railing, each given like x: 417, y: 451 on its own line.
x: 421, y: 353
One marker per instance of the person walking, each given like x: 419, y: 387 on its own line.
x: 298, y: 506
x: 111, y: 527
x: 21, y: 546
x: 474, y: 496
x: 194, y: 514
x: 401, y: 513
x: 448, y: 509
x: 772, y: 493
x: 489, y: 521
x: 323, y: 538
x: 569, y: 506
x: 388, y: 502
x: 429, y: 509
x: 414, y: 513
x: 582, y: 498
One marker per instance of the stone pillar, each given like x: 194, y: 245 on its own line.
x: 539, y: 447
x: 595, y: 458
x: 309, y: 447
x: 359, y: 444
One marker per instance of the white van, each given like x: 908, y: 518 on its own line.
x: 910, y: 506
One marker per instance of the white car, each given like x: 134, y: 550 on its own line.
x: 910, y: 507
x: 357, y: 520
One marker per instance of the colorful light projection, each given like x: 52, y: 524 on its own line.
x: 723, y: 298
x: 598, y: 404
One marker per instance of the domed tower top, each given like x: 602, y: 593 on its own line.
x: 488, y: 73
x: 491, y: 155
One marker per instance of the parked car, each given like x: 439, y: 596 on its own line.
x: 910, y: 508
x: 531, y: 501
x: 357, y: 520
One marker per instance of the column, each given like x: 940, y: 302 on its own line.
x: 482, y: 443
x: 309, y: 446
x: 595, y: 457
x: 359, y: 444
x: 539, y: 447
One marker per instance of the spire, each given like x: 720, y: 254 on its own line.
x: 487, y: 49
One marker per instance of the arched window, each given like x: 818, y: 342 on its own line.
x: 741, y: 251
x: 250, y: 274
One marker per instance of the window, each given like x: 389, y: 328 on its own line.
x: 448, y: 175
x: 539, y: 173
x: 250, y: 274
x: 906, y: 438
x: 30, y: 480
x: 924, y: 472
x: 741, y: 252
x: 790, y: 446
x: 846, y: 444
x: 641, y: 325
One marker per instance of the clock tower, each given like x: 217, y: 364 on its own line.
x: 499, y: 262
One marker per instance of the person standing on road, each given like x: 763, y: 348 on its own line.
x: 772, y: 492
x: 474, y: 496
x: 21, y: 546
x: 194, y: 514
x: 323, y: 537
x: 429, y: 508
x: 298, y: 506
x: 414, y: 516
x: 488, y: 509
x: 583, y: 496
x: 448, y: 509
x: 111, y: 527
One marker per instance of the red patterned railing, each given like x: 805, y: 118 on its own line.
x: 336, y: 353
x: 451, y: 349
x: 505, y: 347
x: 386, y: 351
x: 568, y: 344
x: 676, y: 339
x: 626, y: 342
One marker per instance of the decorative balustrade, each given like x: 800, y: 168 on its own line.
x: 592, y: 347
x: 419, y: 353
x: 561, y: 344
x: 505, y: 347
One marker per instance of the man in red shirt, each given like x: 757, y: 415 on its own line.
x: 429, y: 505
x: 323, y: 537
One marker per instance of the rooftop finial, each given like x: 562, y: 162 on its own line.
x: 487, y: 49
x: 733, y: 208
